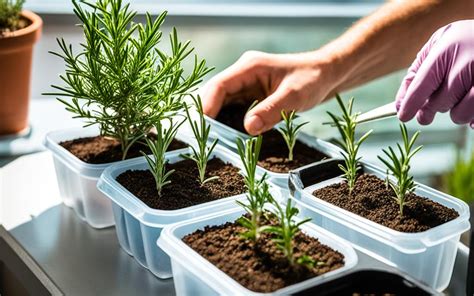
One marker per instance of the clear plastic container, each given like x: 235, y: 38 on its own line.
x: 77, y: 180
x: 427, y: 256
x: 228, y: 136
x: 194, y: 275
x: 139, y: 226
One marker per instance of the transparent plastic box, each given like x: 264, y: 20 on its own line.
x: 427, y: 256
x: 77, y: 179
x: 228, y: 136
x: 194, y: 275
x: 139, y: 226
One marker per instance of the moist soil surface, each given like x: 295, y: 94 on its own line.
x: 98, y: 150
x: 274, y: 152
x: 185, y: 189
x: 371, y: 199
x: 261, y: 266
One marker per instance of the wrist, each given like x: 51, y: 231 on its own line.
x: 331, y: 66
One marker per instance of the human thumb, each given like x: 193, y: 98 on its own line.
x: 267, y: 113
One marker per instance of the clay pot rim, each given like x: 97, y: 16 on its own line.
x: 36, y: 23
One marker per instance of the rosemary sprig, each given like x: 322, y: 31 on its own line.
x: 120, y: 80
x: 346, y: 124
x: 258, y: 191
x: 290, y: 130
x: 201, y: 131
x: 255, y: 208
x: 399, y: 166
x: 158, y: 147
x: 285, y: 231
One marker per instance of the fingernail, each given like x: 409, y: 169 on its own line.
x: 254, y: 124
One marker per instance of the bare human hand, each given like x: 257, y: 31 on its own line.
x: 284, y: 82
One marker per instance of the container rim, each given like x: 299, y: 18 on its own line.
x: 111, y: 188
x: 168, y: 241
x: 76, y: 163
x: 382, y: 231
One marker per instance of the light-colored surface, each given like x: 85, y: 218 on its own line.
x: 45, y: 115
x: 27, y: 188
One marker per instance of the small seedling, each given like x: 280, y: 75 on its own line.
x: 399, y: 166
x: 346, y: 124
x: 258, y: 191
x: 158, y: 147
x: 290, y: 130
x: 120, y: 80
x: 201, y: 132
x: 249, y: 153
x: 255, y: 208
x: 285, y: 231
x: 10, y: 11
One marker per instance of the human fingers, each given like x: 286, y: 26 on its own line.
x: 242, y: 74
x: 425, y: 82
x: 463, y: 112
x: 267, y: 113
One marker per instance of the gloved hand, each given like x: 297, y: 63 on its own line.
x: 441, y: 78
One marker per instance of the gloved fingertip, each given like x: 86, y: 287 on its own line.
x: 425, y: 117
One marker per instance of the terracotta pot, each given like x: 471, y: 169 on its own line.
x: 16, y: 51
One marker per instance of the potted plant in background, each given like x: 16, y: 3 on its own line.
x: 152, y: 192
x: 459, y: 183
x: 395, y: 219
x: 260, y: 248
x: 19, y: 31
x: 284, y: 148
x: 120, y: 84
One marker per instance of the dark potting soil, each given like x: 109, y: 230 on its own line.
x: 261, y: 266
x: 233, y: 115
x: 371, y: 199
x: 185, y: 190
x: 274, y: 152
x: 98, y: 150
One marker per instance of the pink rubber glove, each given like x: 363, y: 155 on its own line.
x: 441, y: 78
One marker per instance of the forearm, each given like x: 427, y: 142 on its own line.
x: 389, y: 39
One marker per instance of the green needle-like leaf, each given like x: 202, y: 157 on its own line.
x: 119, y: 79
x: 399, y: 166
x: 346, y: 125
x: 290, y: 130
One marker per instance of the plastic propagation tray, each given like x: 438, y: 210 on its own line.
x: 139, y: 226
x: 77, y: 180
x: 194, y: 275
x: 370, y: 282
x: 228, y: 136
x: 427, y: 256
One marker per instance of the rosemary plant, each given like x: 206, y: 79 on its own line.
x: 290, y: 130
x: 10, y: 11
x: 346, y: 124
x: 201, y: 132
x: 255, y: 209
x: 120, y: 80
x: 258, y: 191
x: 399, y: 166
x: 158, y: 147
x: 249, y: 153
x: 286, y: 230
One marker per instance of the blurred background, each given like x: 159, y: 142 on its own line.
x: 222, y: 30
